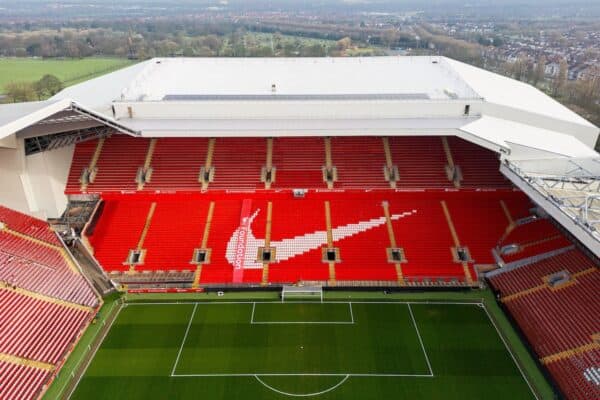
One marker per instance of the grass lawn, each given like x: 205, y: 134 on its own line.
x: 266, y: 350
x: 69, y: 71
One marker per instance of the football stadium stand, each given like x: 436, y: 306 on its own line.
x: 325, y: 172
x: 554, y: 302
x: 45, y: 304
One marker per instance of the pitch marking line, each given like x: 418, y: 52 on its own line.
x: 184, y: 339
x: 217, y: 302
x: 302, y: 374
x: 256, y: 375
x: 303, y: 394
x: 253, y: 322
x: 87, y: 365
x: 509, y: 351
x: 420, y: 340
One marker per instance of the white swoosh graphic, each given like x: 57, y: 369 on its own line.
x: 292, y: 247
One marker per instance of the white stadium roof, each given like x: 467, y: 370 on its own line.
x: 212, y: 97
x: 326, y: 96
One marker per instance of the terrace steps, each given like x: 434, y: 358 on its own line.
x: 588, y: 347
x: 545, y: 285
x: 50, y: 299
x: 16, y: 360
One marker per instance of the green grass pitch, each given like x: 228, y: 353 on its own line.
x: 69, y: 71
x: 331, y: 350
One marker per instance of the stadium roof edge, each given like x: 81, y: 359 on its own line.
x: 522, y: 141
x: 15, y: 117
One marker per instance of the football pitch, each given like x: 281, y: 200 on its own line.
x: 329, y: 350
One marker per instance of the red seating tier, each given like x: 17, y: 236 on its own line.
x: 421, y: 161
x: 479, y: 223
x: 26, y: 262
x: 531, y: 275
x: 176, y: 164
x: 37, y: 329
x: 299, y: 162
x: 28, y: 225
x: 418, y: 220
x: 559, y: 320
x: 360, y: 162
x: 575, y: 375
x: 238, y: 162
x: 82, y: 156
x: 479, y: 166
x: 20, y: 382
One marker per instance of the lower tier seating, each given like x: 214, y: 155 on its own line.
x: 530, y: 237
x: 555, y: 303
x: 36, y: 329
x: 578, y: 375
x: 168, y: 232
x: 532, y: 275
x: 45, y: 304
x: 36, y: 333
x: 21, y: 382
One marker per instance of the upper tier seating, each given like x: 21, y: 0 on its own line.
x: 176, y: 164
x: 120, y: 158
x: 421, y: 161
x: 238, y: 163
x: 479, y: 166
x: 359, y: 161
x: 299, y: 162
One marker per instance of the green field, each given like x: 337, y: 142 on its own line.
x: 69, y: 71
x: 332, y: 350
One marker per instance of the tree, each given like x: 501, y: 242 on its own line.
x: 48, y: 86
x: 390, y: 37
x: 561, y: 78
x: 344, y: 43
x: 17, y: 92
x: 540, y: 67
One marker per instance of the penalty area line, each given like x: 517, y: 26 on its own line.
x: 300, y: 374
x: 420, y: 339
x: 184, y: 339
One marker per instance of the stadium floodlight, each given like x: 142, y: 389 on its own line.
x: 302, y: 293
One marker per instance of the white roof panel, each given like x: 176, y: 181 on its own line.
x: 99, y: 93
x: 541, y: 143
x: 423, y: 76
x: 17, y: 116
x: 509, y: 92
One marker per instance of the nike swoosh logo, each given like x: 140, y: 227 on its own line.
x: 295, y: 246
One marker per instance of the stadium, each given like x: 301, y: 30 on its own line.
x: 335, y: 228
